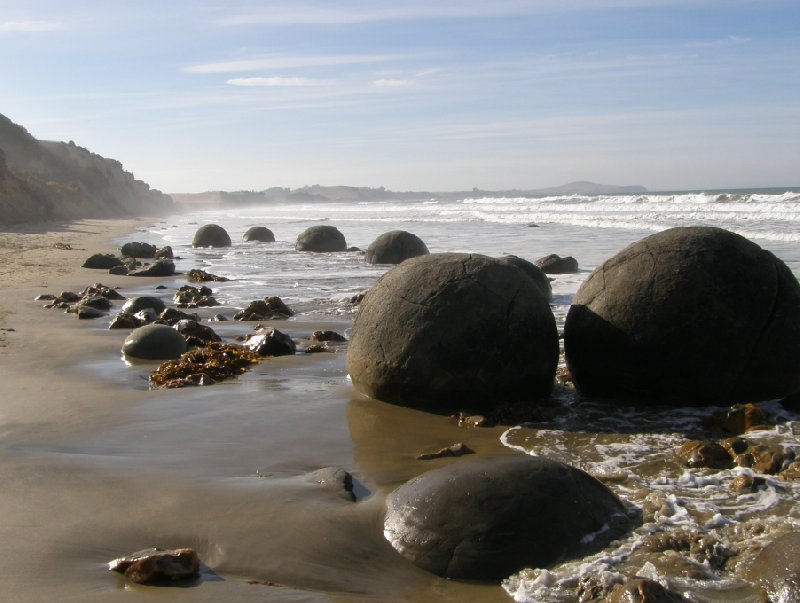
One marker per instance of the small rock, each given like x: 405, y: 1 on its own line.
x: 704, y: 453
x: 157, y: 268
x: 643, y: 590
x: 336, y: 480
x: 44, y: 297
x: 554, y: 264
x: 201, y: 276
x: 124, y: 320
x: 747, y: 483
x: 458, y: 449
x: 271, y: 342
x: 165, y: 253
x: 326, y: 336
x: 102, y: 261
x: 88, y: 312
x: 158, y: 566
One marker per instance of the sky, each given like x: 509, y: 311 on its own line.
x: 425, y: 95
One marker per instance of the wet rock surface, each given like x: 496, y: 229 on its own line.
x: 136, y: 304
x: 446, y: 329
x: 261, y: 234
x: 158, y: 566
x: 322, y: 238
x: 264, y: 309
x: 777, y: 569
x: 555, y: 264
x: 687, y: 316
x: 138, y: 250
x: 270, y: 342
x: 157, y: 268
x: 102, y: 261
x: 211, y: 235
x: 154, y: 342
x: 196, y: 275
x: 488, y: 518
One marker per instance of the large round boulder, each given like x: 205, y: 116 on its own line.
x: 486, y: 519
x: 211, y: 235
x: 395, y: 246
x: 693, y: 315
x: 154, y: 342
x: 261, y: 234
x: 137, y: 304
x: 321, y: 238
x: 450, y: 329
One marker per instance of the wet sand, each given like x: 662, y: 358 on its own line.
x: 95, y: 465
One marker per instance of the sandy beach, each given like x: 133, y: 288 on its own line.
x: 95, y: 465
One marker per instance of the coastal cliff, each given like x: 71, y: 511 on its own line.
x: 47, y: 180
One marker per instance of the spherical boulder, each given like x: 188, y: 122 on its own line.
x: 261, y: 234
x: 395, y: 246
x: 137, y: 304
x: 154, y: 342
x: 486, y: 519
x: 687, y: 316
x: 211, y: 235
x: 321, y: 238
x: 444, y: 330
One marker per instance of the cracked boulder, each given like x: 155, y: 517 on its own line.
x: 453, y: 329
x: 694, y: 316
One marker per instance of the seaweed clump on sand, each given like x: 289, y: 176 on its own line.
x: 204, y: 366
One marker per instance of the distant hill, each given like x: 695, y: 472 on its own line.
x: 317, y: 193
x: 45, y: 180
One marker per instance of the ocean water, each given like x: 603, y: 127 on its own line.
x: 630, y: 449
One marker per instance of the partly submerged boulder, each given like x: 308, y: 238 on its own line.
x: 693, y: 315
x: 395, y: 246
x: 262, y: 234
x: 136, y: 304
x: 486, y: 519
x: 321, y: 238
x: 154, y: 342
x: 161, y: 267
x: 555, y: 264
x: 450, y: 329
x: 158, y: 566
x: 211, y: 235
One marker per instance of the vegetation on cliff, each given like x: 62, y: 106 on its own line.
x: 46, y: 180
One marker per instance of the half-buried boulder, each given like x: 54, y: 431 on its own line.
x: 211, y: 235
x: 137, y: 249
x: 444, y: 330
x: 261, y: 234
x: 137, y: 304
x: 102, y: 261
x: 486, y: 519
x: 154, y: 342
x: 395, y: 246
x: 321, y: 238
x: 555, y: 264
x: 687, y: 316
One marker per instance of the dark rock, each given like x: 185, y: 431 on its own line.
x: 687, y: 316
x: 271, y: 342
x: 102, y: 261
x: 704, y: 453
x: 555, y: 264
x: 459, y: 449
x: 535, y: 273
x: 120, y: 270
x: 264, y: 309
x: 98, y: 289
x: 447, y: 329
x: 124, y: 320
x: 98, y: 303
x: 158, y: 566
x: 147, y: 315
x: 194, y: 297
x: 172, y: 316
x: 394, y: 247
x: 486, y: 519
x: 193, y: 330
x: 68, y: 297
x: 211, y: 235
x: 44, y: 297
x: 154, y: 342
x: 777, y: 569
x: 262, y: 234
x: 138, y: 250
x: 318, y: 348
x: 326, y: 336
x: 218, y: 318
x: 738, y: 419
x: 334, y: 479
x: 321, y: 238
x: 747, y: 483
x: 135, y: 304
x: 88, y: 312
x: 165, y: 253
x: 157, y: 268
x: 195, y: 275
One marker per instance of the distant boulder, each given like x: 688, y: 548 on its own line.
x: 395, y: 246
x: 261, y: 234
x: 102, y: 261
x: 138, y: 250
x: 321, y: 238
x: 211, y: 235
x: 154, y: 342
x: 157, y: 268
x: 555, y: 264
x: 693, y: 315
x: 450, y: 329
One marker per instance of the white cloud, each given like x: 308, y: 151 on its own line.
x: 392, y: 83
x: 272, y: 81
x: 30, y: 26
x: 729, y: 41
x: 289, y: 62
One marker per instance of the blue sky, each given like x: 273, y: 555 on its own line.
x: 414, y: 95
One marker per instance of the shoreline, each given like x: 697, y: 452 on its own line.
x: 94, y: 468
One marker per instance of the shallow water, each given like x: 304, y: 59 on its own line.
x: 293, y: 415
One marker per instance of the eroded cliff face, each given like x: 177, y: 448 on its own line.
x: 45, y: 180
